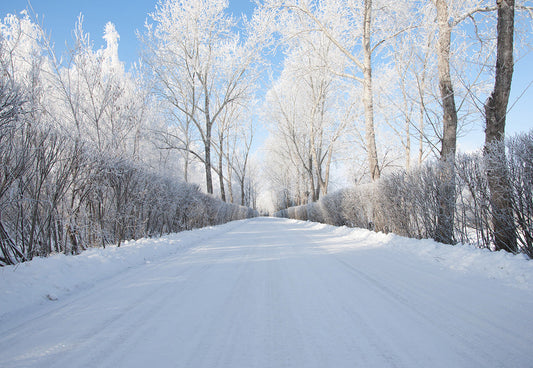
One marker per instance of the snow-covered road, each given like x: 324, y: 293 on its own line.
x: 278, y: 293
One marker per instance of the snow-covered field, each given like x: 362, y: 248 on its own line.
x: 269, y: 292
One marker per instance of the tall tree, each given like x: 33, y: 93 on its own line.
x: 446, y: 190
x: 303, y: 109
x: 495, y: 113
x: 359, y: 34
x: 201, y: 65
x: 449, y: 15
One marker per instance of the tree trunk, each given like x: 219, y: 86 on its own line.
x: 407, y: 144
x: 446, y: 190
x: 229, y: 177
x: 325, y: 183
x: 370, y: 135
x: 495, y: 111
x: 242, y: 191
x: 186, y: 157
x: 421, y: 135
x: 207, y: 145
x: 186, y: 166
x: 208, y: 177
x: 312, y: 180
x: 221, y: 174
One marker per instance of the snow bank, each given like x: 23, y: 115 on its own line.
x: 513, y: 270
x: 48, y: 279
x: 44, y: 280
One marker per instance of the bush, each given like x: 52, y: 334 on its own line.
x: 406, y: 202
x: 67, y: 198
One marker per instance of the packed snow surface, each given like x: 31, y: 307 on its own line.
x: 269, y: 292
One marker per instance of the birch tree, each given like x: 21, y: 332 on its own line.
x: 449, y: 123
x: 443, y: 17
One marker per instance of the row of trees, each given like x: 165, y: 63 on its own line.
x: 205, y: 68
x: 406, y: 202
x: 407, y: 69
x: 360, y: 82
x: 82, y: 156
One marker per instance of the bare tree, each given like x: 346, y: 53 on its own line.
x: 359, y: 33
x: 449, y: 122
x: 495, y: 113
x: 242, y: 160
x: 201, y: 65
x: 14, y: 160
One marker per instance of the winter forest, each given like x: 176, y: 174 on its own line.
x: 345, y: 112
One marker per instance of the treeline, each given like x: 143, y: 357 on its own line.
x: 406, y: 202
x: 79, y: 164
x: 57, y: 195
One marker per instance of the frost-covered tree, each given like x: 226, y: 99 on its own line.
x: 359, y: 30
x: 201, y: 65
x: 95, y: 99
x: 305, y: 112
x: 495, y: 113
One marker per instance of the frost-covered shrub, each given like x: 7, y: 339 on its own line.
x: 520, y: 158
x: 84, y: 199
x: 473, y: 212
x: 328, y: 209
x: 406, y: 202
x: 356, y: 208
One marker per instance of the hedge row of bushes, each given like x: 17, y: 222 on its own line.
x: 57, y: 196
x: 406, y: 202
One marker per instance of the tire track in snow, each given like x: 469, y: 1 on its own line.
x: 114, y: 324
x: 270, y: 293
x: 431, y: 304
x: 360, y: 335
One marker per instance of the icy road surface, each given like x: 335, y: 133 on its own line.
x: 278, y: 293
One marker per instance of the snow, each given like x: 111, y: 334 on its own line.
x: 270, y: 292
x: 28, y: 285
x: 513, y: 270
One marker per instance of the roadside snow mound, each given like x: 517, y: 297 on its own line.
x: 49, y: 279
x: 513, y: 270
x: 45, y: 280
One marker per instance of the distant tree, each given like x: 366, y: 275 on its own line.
x: 359, y: 30
x: 201, y: 65
x: 305, y: 112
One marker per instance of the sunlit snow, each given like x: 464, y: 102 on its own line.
x: 269, y: 292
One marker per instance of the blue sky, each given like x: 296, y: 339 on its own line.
x: 60, y: 17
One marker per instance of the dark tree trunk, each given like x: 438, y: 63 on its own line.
x: 495, y: 111
x: 242, y: 192
x: 221, y: 174
x: 446, y: 186
x: 207, y: 145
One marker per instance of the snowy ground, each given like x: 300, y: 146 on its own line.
x: 269, y: 293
